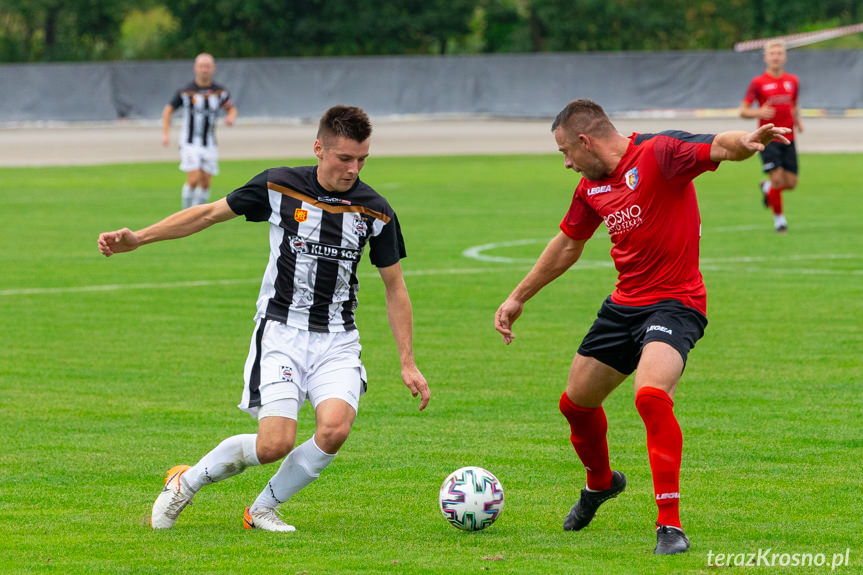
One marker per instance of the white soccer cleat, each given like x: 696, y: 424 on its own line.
x: 266, y: 519
x: 171, y: 501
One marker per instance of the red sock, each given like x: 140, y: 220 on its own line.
x: 664, y: 449
x: 589, y: 426
x: 774, y: 199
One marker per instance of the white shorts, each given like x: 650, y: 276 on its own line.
x: 194, y: 157
x: 289, y: 363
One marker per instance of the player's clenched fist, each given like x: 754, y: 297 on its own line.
x: 116, y: 242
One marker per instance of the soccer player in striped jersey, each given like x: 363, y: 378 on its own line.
x: 305, y: 345
x: 776, y: 92
x: 200, y: 100
x: 641, y: 188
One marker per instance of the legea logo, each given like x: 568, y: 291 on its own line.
x: 598, y: 190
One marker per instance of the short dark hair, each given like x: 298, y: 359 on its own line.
x: 583, y: 116
x: 345, y: 121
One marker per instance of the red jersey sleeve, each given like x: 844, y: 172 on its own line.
x: 580, y: 220
x: 751, y: 92
x: 681, y: 154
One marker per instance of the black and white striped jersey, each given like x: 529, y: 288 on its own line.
x: 317, y: 239
x: 200, y: 109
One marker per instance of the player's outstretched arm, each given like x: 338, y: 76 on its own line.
x: 400, y: 317
x: 559, y: 255
x: 178, y: 225
x: 739, y: 145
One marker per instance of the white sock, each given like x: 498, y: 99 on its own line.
x: 779, y: 220
x: 227, y: 459
x: 187, y: 196
x: 302, y: 466
x: 202, y: 196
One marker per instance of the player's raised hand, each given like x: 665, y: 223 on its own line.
x: 507, y: 313
x: 758, y: 139
x: 416, y: 382
x: 118, y: 241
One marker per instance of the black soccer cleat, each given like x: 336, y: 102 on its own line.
x: 765, y: 187
x: 582, y: 512
x: 670, y: 540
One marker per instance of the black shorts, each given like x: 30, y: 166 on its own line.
x: 779, y: 155
x: 620, y: 332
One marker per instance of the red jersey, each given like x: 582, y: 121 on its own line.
x: 781, y: 93
x: 648, y: 205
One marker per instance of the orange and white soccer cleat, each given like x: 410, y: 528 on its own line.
x: 265, y: 519
x: 172, y: 500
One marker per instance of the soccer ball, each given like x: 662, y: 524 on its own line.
x: 471, y: 498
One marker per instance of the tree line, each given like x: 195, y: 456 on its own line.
x: 79, y: 30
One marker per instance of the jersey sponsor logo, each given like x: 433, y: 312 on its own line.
x: 301, y: 215
x: 623, y: 220
x: 332, y: 200
x: 780, y: 100
x: 664, y: 496
x: 661, y: 328
x: 598, y: 190
x: 286, y: 372
x: 299, y: 245
x: 361, y: 228
x: 631, y: 178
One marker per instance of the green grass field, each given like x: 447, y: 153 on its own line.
x: 113, y: 370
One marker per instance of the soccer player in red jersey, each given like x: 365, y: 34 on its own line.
x: 776, y: 93
x: 641, y: 188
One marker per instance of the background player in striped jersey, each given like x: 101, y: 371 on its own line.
x: 776, y: 92
x: 305, y: 345
x: 641, y: 188
x: 200, y: 101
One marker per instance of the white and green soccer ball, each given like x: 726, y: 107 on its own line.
x: 471, y: 498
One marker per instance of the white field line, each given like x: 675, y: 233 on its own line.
x: 476, y: 253
x: 118, y: 287
x: 207, y: 283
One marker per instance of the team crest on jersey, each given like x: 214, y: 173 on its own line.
x: 788, y: 86
x: 286, y: 372
x: 301, y: 215
x: 360, y: 226
x: 631, y: 178
x: 298, y: 245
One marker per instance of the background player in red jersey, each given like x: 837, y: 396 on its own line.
x: 641, y: 187
x: 776, y: 93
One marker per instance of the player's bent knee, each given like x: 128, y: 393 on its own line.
x: 331, y: 436
x: 273, y: 450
